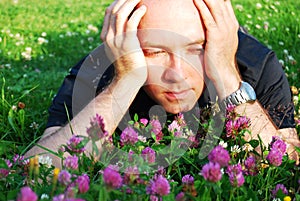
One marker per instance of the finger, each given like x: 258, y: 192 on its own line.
x: 217, y: 9
x: 135, y: 19
x: 231, y: 13
x: 106, y: 21
x: 122, y: 15
x: 205, y: 14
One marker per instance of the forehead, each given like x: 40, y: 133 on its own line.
x: 178, y: 18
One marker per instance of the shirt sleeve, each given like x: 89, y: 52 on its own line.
x: 260, y: 67
x: 83, y: 83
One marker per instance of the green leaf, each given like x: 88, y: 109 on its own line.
x: 3, y: 164
x: 254, y: 143
x: 136, y: 118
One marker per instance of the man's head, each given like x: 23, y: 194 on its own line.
x: 172, y: 37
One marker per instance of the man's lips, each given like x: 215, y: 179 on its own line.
x: 177, y: 95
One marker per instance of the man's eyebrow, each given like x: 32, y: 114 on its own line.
x: 198, y: 42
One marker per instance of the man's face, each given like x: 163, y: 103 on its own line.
x: 172, y: 39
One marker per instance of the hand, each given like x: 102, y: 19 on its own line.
x: 119, y: 33
x: 290, y: 136
x: 221, y: 44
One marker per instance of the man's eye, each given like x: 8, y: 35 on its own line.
x: 154, y: 53
x: 197, y: 51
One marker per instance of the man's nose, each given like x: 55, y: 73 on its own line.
x: 174, y: 71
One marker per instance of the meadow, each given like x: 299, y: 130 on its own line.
x: 41, y: 40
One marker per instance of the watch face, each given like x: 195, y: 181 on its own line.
x: 247, y: 89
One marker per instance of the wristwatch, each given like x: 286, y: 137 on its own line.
x: 244, y: 94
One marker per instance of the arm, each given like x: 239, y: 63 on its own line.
x: 219, y: 60
x: 130, y: 70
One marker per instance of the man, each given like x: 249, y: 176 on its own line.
x: 175, y: 54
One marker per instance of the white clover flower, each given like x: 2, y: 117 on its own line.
x: 26, y: 55
x: 296, y: 100
x: 249, y: 16
x: 247, y: 147
x: 0, y: 39
x: 239, y: 7
x: 277, y: 3
x: 281, y: 43
x: 258, y: 6
x: 42, y: 40
x: 223, y: 144
x: 291, y: 58
x: 142, y: 138
x: 34, y: 125
x: 235, y: 149
x: 258, y: 26
x: 90, y: 39
x: 45, y: 160
x: 14, y: 108
x: 281, y: 62
x: 285, y: 51
x: 44, y: 34
x: 92, y: 28
x: 44, y: 196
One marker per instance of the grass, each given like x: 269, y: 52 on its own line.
x: 54, y: 35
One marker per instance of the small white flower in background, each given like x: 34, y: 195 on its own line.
x: 14, y: 108
x: 223, y: 144
x: 277, y: 3
x: 258, y: 6
x: 235, y: 149
x: 34, y: 125
x: 142, y: 138
x: 44, y: 34
x: 281, y: 62
x: 90, y: 39
x: 247, y: 147
x: 258, y: 26
x: 45, y: 160
x: 281, y: 43
x: 239, y: 7
x: 92, y: 28
x: 69, y: 33
x: 249, y: 16
x: 15, y: 1
x: 44, y: 197
x: 42, y: 40
x: 0, y: 39
x: 296, y: 100
x: 285, y: 51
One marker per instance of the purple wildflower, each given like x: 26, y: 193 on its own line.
x: 129, y: 136
x: 278, y: 144
x: 64, y: 177
x: 131, y: 174
x: 74, y: 144
x: 274, y: 157
x: 230, y: 113
x: 158, y: 186
x: 112, y: 178
x: 149, y: 155
x: 26, y: 194
x: 97, y: 129
x: 130, y: 154
x: 4, y: 172
x: 235, y: 174
x: 212, y: 172
x: 219, y: 155
x: 144, y: 121
x: 180, y: 120
x: 60, y: 197
x: 250, y: 166
x: 174, y: 126
x: 71, y: 162
x: 277, y: 188
x: 154, y: 198
x: 229, y: 128
x: 180, y: 197
x: 188, y: 179
x: 19, y: 160
x: 83, y: 182
x: 156, y: 129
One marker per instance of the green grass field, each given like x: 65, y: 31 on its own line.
x: 41, y: 40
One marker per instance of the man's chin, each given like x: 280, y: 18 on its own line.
x: 175, y: 109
